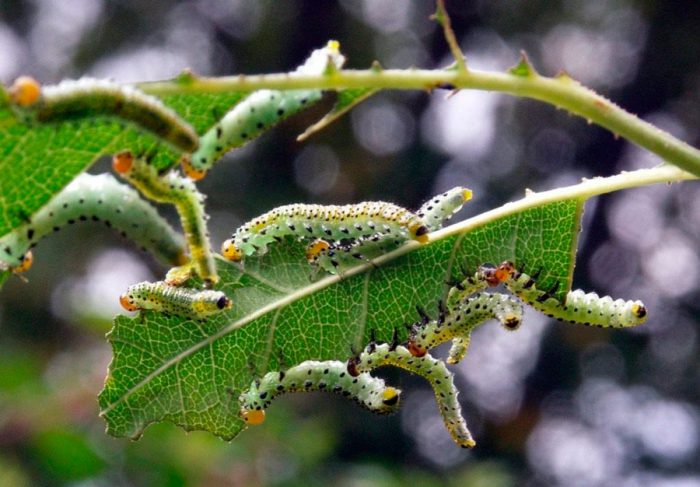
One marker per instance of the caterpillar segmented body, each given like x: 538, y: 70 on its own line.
x: 440, y: 208
x: 258, y: 112
x: 331, y: 222
x: 159, y: 296
x: 98, y: 199
x: 89, y: 97
x: 181, y: 192
x: 336, y: 256
x: 433, y: 370
x: 578, y: 306
x: 332, y: 376
x: 456, y: 323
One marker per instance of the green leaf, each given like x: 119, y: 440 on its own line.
x: 190, y: 373
x: 38, y: 160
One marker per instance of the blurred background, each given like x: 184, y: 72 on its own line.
x: 550, y: 404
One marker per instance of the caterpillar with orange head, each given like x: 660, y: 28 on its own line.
x: 159, y: 296
x: 331, y: 222
x: 90, y: 198
x: 89, y: 97
x: 337, y: 256
x: 332, y: 376
x: 577, y: 307
x: 181, y: 192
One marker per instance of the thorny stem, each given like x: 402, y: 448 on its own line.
x: 441, y: 17
x: 561, y: 91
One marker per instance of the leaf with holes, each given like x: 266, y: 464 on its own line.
x: 174, y: 369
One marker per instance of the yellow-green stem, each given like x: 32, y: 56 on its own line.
x: 561, y: 91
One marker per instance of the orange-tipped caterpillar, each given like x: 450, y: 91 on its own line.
x: 337, y: 256
x: 88, y: 97
x: 457, y: 322
x: 98, y: 199
x: 181, y: 192
x: 578, y: 306
x: 433, y: 370
x: 159, y: 296
x: 258, y: 112
x: 330, y: 222
x: 332, y: 376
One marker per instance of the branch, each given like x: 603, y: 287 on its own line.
x: 561, y: 91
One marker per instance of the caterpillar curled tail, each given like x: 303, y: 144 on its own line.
x: 440, y: 208
x: 181, y: 192
x: 332, y: 222
x: 457, y: 323
x: 433, y: 370
x: 159, y: 296
x: 90, y: 198
x: 578, y: 306
x: 88, y: 97
x: 332, y: 376
x: 258, y: 112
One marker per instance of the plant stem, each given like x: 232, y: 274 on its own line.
x: 561, y: 91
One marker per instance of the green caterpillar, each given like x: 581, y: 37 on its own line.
x: 332, y: 376
x: 456, y: 323
x: 258, y: 112
x: 159, y: 296
x: 181, y: 192
x: 336, y: 256
x: 88, y: 97
x: 440, y: 208
x: 433, y: 370
x: 98, y: 199
x: 328, y: 222
x: 578, y: 306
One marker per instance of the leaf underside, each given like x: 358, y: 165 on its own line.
x: 38, y: 160
x: 190, y: 373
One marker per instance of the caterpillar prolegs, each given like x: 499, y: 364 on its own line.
x: 332, y: 376
x: 97, y: 199
x: 258, y: 112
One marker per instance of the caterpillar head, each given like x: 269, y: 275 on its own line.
x: 352, y: 366
x: 127, y: 303
x: 511, y: 322
x: 25, y: 91
x: 314, y: 249
x: 25, y: 264
x: 639, y: 310
x: 414, y: 349
x: 391, y: 396
x: 212, y: 302
x: 419, y: 232
x: 189, y: 170
x: 122, y: 161
x: 253, y: 417
x: 230, y: 251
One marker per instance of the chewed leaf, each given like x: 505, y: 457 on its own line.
x: 168, y: 368
x: 347, y: 99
